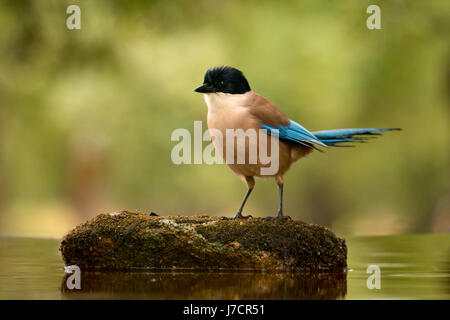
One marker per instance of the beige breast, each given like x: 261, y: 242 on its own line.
x: 227, y: 111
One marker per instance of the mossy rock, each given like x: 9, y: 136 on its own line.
x: 128, y: 240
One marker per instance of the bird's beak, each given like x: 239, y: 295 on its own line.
x: 204, y: 89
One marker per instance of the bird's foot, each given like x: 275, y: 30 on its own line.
x: 278, y: 217
x: 237, y: 216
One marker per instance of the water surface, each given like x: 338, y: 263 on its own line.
x: 412, y: 267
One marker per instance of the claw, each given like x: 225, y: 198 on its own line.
x: 237, y: 216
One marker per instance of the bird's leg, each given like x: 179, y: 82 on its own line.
x: 239, y: 213
x: 280, y: 215
x: 280, y: 205
x: 250, y: 181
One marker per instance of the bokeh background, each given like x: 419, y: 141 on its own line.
x: 86, y: 115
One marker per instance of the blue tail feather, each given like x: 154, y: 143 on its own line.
x: 333, y: 138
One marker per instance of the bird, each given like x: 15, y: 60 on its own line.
x: 232, y: 105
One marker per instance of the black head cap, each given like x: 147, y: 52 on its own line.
x: 224, y: 79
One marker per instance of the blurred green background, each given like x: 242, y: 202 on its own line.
x: 86, y: 115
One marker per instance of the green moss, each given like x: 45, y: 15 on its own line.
x: 135, y: 240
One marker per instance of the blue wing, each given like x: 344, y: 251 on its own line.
x: 296, y: 133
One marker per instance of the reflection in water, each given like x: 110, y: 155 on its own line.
x: 412, y: 267
x: 207, y: 285
x: 447, y: 270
